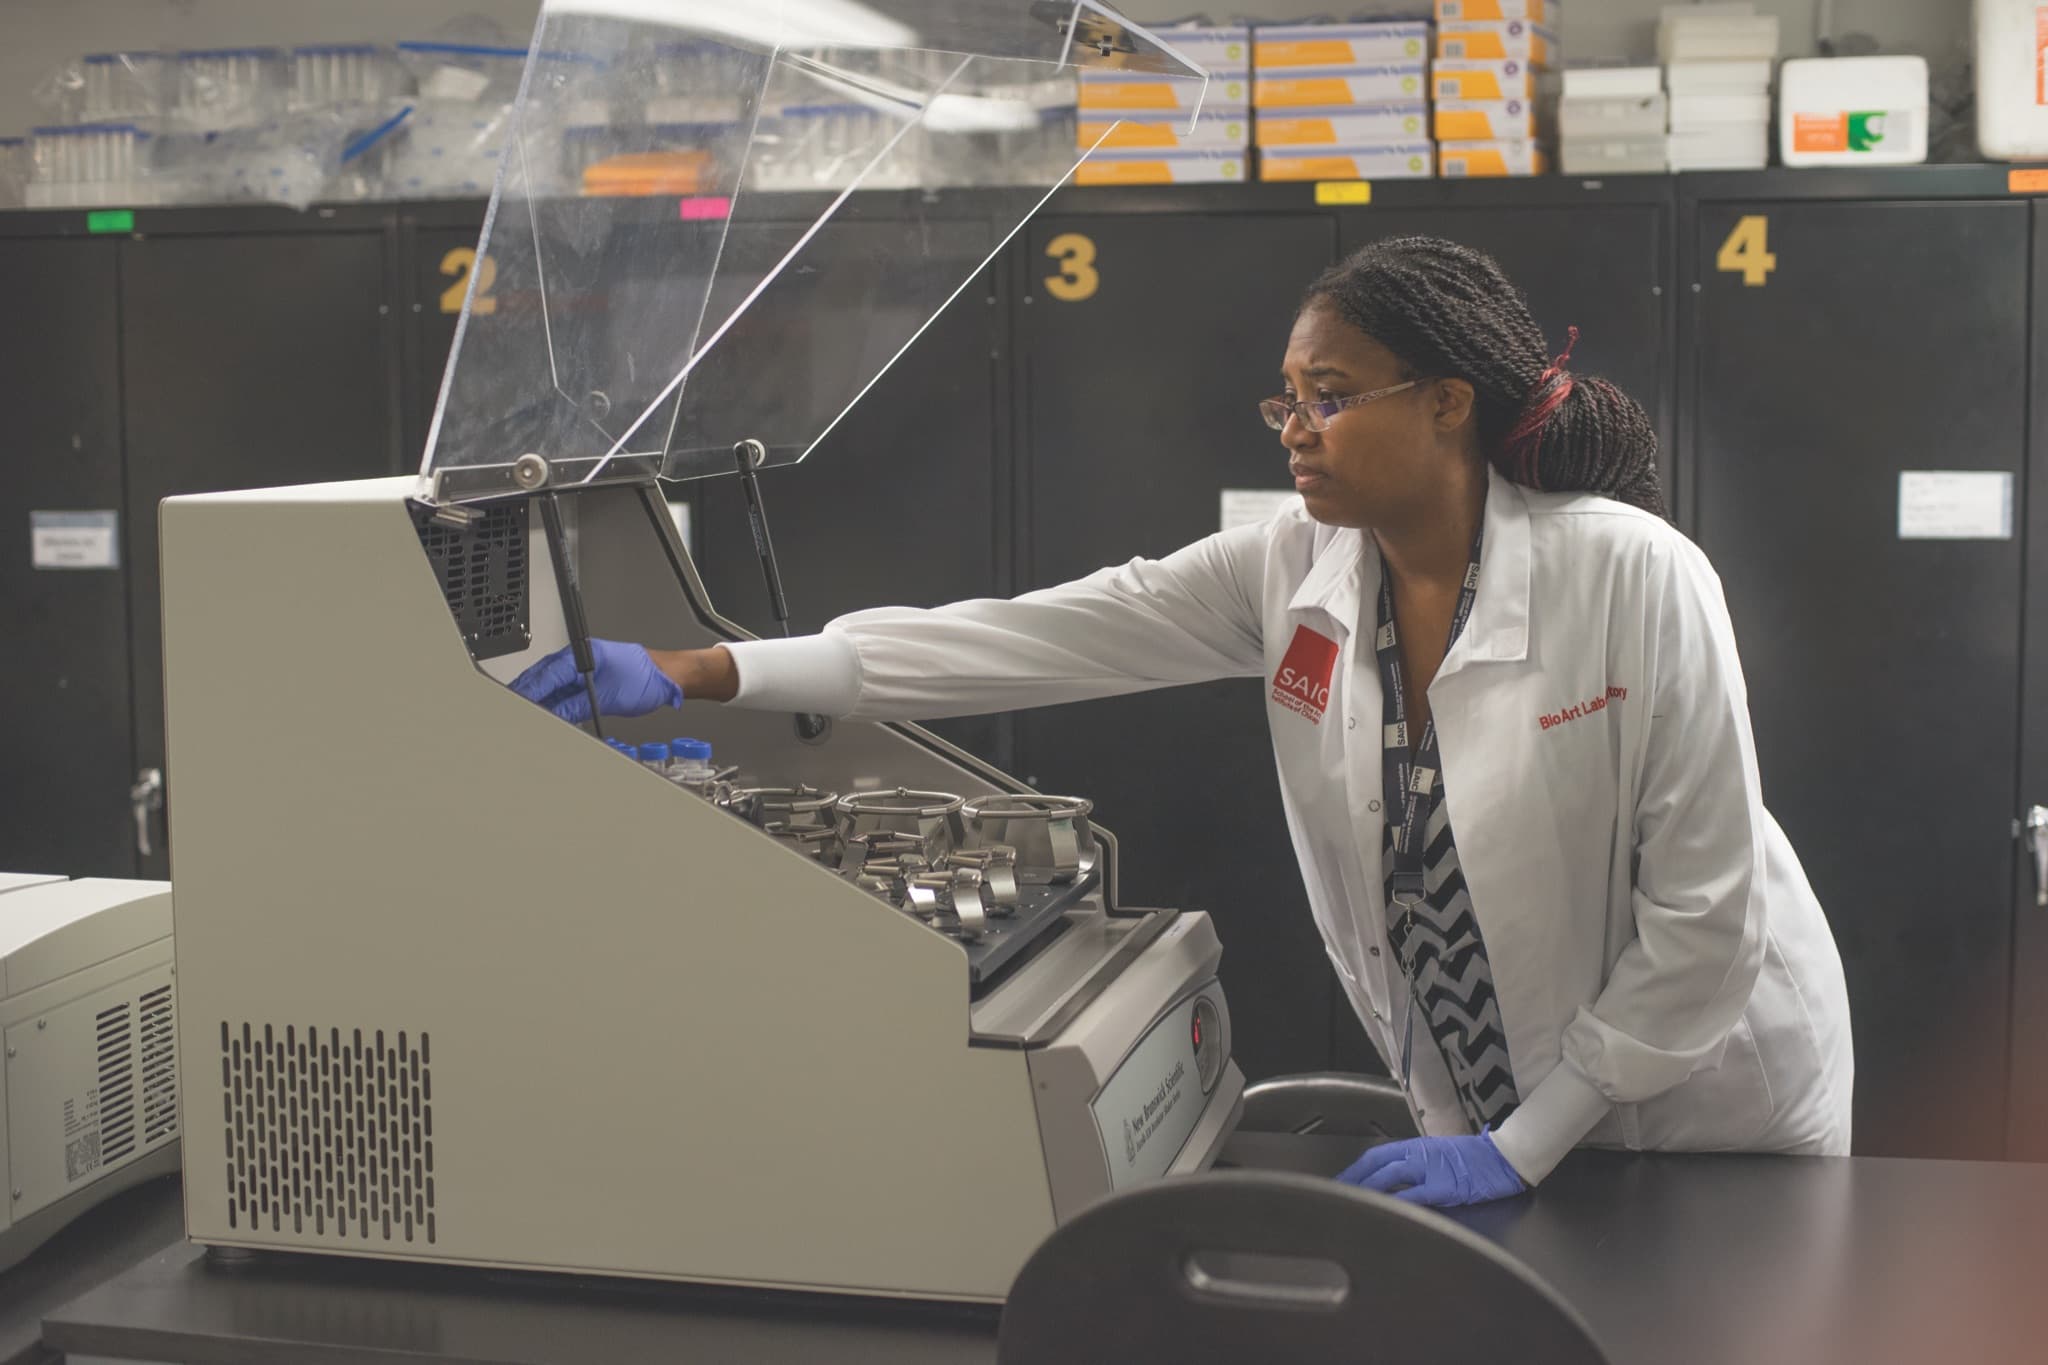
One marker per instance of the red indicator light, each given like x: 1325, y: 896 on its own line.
x: 1198, y: 1030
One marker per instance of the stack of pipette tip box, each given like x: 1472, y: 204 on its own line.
x: 1138, y: 129
x: 1717, y: 67
x: 1342, y: 101
x: 1491, y: 85
x: 1612, y: 121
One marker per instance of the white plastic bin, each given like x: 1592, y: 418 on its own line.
x: 2012, y: 80
x: 1853, y: 111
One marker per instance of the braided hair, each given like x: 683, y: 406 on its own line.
x: 1448, y: 311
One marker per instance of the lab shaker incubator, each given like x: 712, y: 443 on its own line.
x: 851, y: 1011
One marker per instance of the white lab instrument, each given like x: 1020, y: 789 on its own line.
x: 491, y: 992
x: 90, y: 1103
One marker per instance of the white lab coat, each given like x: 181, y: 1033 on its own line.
x: 1664, y: 973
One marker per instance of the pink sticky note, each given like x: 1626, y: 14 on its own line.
x: 697, y: 210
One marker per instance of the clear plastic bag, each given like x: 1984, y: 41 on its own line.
x: 86, y: 165
x: 225, y: 89
x: 105, y: 87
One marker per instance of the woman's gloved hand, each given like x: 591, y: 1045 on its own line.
x: 628, y: 683
x: 1440, y: 1172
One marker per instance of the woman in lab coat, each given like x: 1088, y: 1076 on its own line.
x: 1512, y: 733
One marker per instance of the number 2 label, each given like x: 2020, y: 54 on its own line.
x: 461, y: 263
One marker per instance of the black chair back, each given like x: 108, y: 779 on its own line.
x: 1238, y: 1267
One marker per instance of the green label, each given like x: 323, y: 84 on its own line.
x: 1866, y: 131
x: 110, y: 220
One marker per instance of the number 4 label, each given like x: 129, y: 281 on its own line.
x: 1747, y: 251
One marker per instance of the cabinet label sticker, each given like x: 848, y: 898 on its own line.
x: 74, y: 540
x: 1955, y: 505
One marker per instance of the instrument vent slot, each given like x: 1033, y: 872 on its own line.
x: 482, y: 570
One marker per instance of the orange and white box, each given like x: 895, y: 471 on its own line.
x: 1485, y: 160
x: 1164, y: 168
x: 1167, y: 133
x: 1508, y: 80
x: 1545, y: 12
x: 1295, y: 45
x: 1328, y: 87
x: 1383, y: 161
x: 1342, y: 127
x: 1124, y: 92
x: 1485, y: 120
x: 1499, y: 40
x: 1225, y: 51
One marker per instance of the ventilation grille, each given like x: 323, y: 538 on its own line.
x: 159, y: 1066
x: 331, y: 1134
x: 482, y: 572
x: 116, y: 1030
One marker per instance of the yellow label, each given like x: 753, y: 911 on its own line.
x: 1342, y: 191
x: 2026, y: 182
x: 461, y: 263
x: 1747, y: 251
x: 1075, y: 253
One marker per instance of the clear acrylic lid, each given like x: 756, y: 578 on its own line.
x: 698, y: 270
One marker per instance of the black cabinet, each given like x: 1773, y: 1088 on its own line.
x: 66, y: 744
x: 2027, y: 1108
x: 1088, y: 399
x: 1600, y: 266
x: 248, y: 361
x: 1833, y: 347
x: 1146, y: 346
x: 438, y: 257
x: 897, y: 505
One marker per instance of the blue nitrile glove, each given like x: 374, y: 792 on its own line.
x: 1438, y: 1171
x: 628, y: 683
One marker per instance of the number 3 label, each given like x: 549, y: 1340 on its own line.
x: 460, y: 263
x: 1747, y: 251
x: 1077, y: 279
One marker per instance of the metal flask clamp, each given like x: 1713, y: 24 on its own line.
x: 931, y: 817
x: 952, y: 899
x: 1050, y: 834
x: 997, y: 866
x: 800, y: 817
x: 797, y: 807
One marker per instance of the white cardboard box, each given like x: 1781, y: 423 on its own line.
x: 1381, y: 161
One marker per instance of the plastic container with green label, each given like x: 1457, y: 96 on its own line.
x: 1853, y: 111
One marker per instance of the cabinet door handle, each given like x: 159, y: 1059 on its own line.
x: 2037, y: 840
x: 146, y: 798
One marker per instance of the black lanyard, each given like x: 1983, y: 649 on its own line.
x: 1409, y: 779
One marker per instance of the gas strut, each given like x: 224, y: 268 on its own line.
x: 750, y: 455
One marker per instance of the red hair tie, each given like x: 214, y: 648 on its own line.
x: 1526, y: 439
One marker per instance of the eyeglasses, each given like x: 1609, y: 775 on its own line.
x: 1318, y: 416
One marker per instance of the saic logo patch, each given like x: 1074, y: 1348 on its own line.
x: 1303, y: 683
